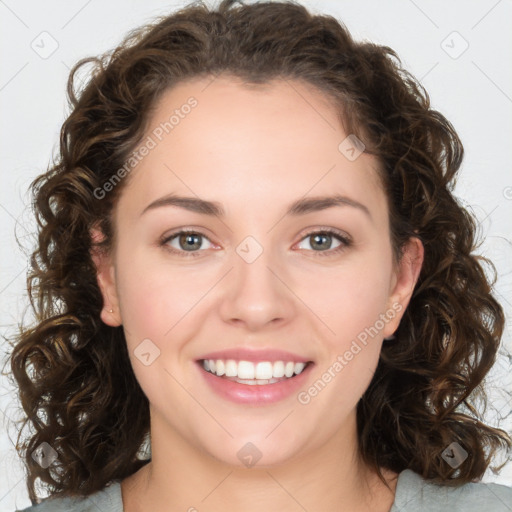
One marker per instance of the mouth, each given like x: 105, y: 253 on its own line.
x: 254, y: 373
x: 254, y: 383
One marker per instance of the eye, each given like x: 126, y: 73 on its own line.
x: 190, y: 243
x: 321, y: 241
x: 185, y: 241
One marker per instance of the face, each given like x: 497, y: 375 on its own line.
x: 269, y: 278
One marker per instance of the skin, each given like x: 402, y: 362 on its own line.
x: 255, y: 150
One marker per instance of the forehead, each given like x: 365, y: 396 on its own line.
x: 223, y: 139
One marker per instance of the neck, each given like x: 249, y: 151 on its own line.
x: 330, y: 477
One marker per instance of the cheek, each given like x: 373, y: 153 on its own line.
x: 157, y: 300
x: 143, y: 293
x: 352, y: 305
x: 137, y: 302
x: 351, y: 297
x: 150, y: 305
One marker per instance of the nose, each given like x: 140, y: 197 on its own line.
x: 257, y: 294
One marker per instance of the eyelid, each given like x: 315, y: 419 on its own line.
x: 328, y: 230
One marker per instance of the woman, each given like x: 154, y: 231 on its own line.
x: 249, y: 253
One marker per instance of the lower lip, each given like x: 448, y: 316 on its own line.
x: 257, y: 394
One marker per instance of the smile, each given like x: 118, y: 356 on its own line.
x: 247, y: 372
x: 256, y: 383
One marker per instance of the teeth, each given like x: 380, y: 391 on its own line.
x: 253, y: 373
x: 246, y: 370
x: 298, y: 368
x: 231, y: 368
x: 264, y: 371
x: 278, y: 369
x: 220, y: 368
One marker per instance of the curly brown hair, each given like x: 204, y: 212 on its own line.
x: 76, y: 385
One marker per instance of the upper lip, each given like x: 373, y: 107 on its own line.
x: 244, y: 354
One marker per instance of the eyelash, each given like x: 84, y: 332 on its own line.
x: 344, y: 239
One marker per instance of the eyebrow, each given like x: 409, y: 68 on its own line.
x: 300, y: 207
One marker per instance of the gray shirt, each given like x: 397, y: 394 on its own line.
x: 413, y: 494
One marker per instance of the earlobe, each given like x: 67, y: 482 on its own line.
x: 105, y: 275
x: 406, y: 278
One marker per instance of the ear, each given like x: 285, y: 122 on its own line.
x: 105, y: 274
x: 404, y: 281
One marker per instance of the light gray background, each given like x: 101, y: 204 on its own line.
x: 473, y: 88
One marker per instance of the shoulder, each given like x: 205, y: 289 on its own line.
x: 107, y: 500
x: 416, y: 494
